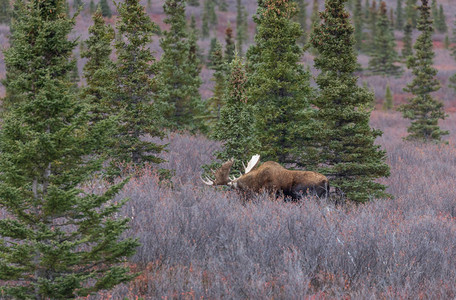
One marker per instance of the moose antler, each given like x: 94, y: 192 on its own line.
x: 252, y: 163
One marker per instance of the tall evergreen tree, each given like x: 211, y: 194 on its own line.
x: 358, y: 23
x: 212, y: 46
x: 440, y: 22
x: 434, y: 11
x: 58, y: 241
x: 241, y: 28
x: 372, y: 25
x: 140, y: 113
x: 193, y: 39
x: 229, y: 45
x: 399, y: 16
x: 301, y: 18
x: 92, y: 7
x: 392, y: 18
x: 205, y: 25
x: 446, y: 42
x: 366, y: 13
x: 235, y: 128
x: 384, y: 55
x: 423, y: 110
x: 348, y: 154
x: 215, y: 103
x: 178, y: 82
x: 453, y: 53
x: 314, y: 20
x: 411, y: 12
x: 99, y: 71
x: 388, y: 104
x: 407, y: 49
x: 105, y: 9
x: 194, y: 70
x: 278, y: 84
x: 5, y: 11
x: 209, y: 10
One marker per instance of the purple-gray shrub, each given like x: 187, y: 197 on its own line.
x: 200, y: 241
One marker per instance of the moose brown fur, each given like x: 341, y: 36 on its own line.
x: 272, y: 177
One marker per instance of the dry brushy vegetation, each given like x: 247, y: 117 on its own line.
x: 201, y: 242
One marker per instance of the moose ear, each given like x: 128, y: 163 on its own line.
x: 252, y: 163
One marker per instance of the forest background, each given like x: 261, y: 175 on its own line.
x: 444, y: 62
x: 198, y: 242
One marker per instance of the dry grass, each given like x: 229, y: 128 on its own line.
x: 201, y: 242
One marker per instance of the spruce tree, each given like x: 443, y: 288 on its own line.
x: 452, y: 79
x: 212, y: 46
x: 407, y: 49
x: 366, y: 13
x: 194, y: 50
x: 178, y: 79
x: 139, y: 112
x: 241, y: 28
x: 215, y: 103
x: 384, y: 55
x: 347, y: 151
x: 205, y: 25
x: 434, y: 11
x: 209, y: 10
x: 193, y: 38
x: 99, y: 70
x: 446, y: 42
x: 99, y: 73
x: 392, y: 18
x: 105, y: 9
x: 358, y: 23
x: 229, y: 45
x: 235, y: 128
x: 301, y: 18
x: 194, y: 70
x: 278, y: 83
x: 399, y: 16
x: 59, y: 241
x: 314, y: 18
x: 411, y: 12
x: 372, y: 25
x: 4, y: 11
x: 440, y: 22
x: 92, y: 7
x: 423, y: 110
x: 388, y: 104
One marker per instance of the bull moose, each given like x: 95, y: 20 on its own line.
x: 271, y: 177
